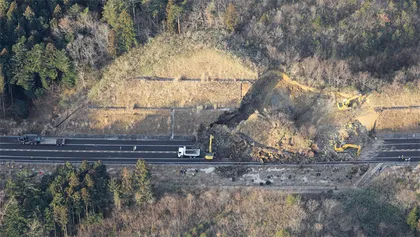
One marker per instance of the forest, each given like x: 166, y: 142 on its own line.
x: 60, y: 203
x: 360, y: 44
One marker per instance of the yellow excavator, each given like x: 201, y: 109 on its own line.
x: 350, y: 102
x: 210, y: 155
x: 338, y: 148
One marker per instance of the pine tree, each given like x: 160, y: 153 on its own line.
x: 4, y: 5
x: 61, y: 216
x: 2, y: 86
x: 126, y: 34
x: 2, y: 81
x: 14, y: 224
x: 412, y: 218
x: 20, y: 77
x: 49, y: 223
x: 86, y: 199
x: 115, y: 189
x: 143, y: 192
x: 48, y: 71
x: 126, y: 179
x: 231, y: 17
x: 29, y: 14
x: 11, y: 10
x: 57, y: 11
x: 112, y: 10
x: 173, y: 13
x: 112, y: 50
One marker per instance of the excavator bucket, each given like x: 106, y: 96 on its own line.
x: 351, y: 102
x: 210, y: 154
x: 338, y: 148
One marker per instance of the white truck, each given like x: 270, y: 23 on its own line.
x: 34, y: 139
x: 184, y: 152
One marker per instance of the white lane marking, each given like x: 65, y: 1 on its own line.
x: 123, y: 145
x: 400, y: 150
x: 96, y: 157
x: 399, y: 144
x: 97, y: 151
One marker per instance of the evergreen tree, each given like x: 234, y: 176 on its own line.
x: 112, y: 50
x: 4, y: 5
x: 412, y: 218
x: 2, y: 81
x: 111, y: 12
x: 49, y: 223
x: 57, y: 11
x: 29, y: 14
x: 173, y: 13
x: 61, y: 216
x: 231, y: 17
x: 11, y: 10
x: 115, y: 189
x: 48, y: 71
x: 20, y: 75
x: 126, y: 34
x: 143, y: 192
x: 127, y: 181
x: 14, y: 224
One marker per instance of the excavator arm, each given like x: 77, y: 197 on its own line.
x: 337, y: 148
x: 210, y: 155
x: 350, y: 102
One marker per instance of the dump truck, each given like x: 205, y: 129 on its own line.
x: 184, y: 152
x: 33, y: 139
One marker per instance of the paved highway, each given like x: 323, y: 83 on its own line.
x: 399, y: 150
x: 107, y: 150
x: 118, y: 151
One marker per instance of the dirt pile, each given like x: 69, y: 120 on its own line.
x: 232, y: 172
x: 280, y: 120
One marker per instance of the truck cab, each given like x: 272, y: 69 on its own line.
x: 184, y: 152
x: 31, y: 139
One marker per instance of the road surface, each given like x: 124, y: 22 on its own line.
x: 116, y: 151
x: 399, y: 150
x: 119, y: 151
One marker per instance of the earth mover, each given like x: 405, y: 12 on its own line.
x: 338, y: 148
x: 210, y: 155
x: 351, y: 102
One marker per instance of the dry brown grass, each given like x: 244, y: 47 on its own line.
x: 201, y: 63
x: 124, y: 122
x: 143, y: 122
x: 399, y: 120
x: 236, y: 212
x: 188, y: 121
x: 395, y: 96
x: 172, y: 57
x: 171, y: 94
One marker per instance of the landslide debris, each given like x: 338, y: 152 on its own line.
x: 232, y: 172
x: 280, y: 120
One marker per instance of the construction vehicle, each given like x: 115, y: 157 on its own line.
x: 346, y: 146
x: 34, y: 139
x: 210, y: 155
x: 190, y: 153
x: 351, y: 102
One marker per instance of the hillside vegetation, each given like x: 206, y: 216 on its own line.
x: 172, y: 57
x: 89, y: 200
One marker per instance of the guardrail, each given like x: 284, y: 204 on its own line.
x: 227, y: 80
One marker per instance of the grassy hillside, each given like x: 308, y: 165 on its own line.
x: 172, y: 57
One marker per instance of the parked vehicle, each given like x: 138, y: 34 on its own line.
x: 184, y: 152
